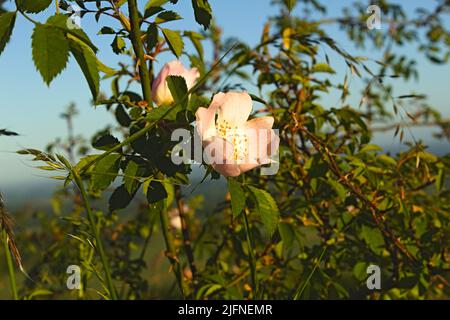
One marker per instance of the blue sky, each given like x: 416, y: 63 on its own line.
x: 28, y: 106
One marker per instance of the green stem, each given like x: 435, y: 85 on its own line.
x: 135, y: 37
x: 172, y: 252
x: 302, y: 288
x: 28, y: 18
x: 9, y: 261
x: 251, y: 254
x: 95, y: 230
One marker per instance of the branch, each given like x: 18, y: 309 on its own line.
x: 343, y: 179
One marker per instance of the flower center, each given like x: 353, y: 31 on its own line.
x: 237, y: 136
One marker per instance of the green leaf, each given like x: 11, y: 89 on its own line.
x: 349, y: 116
x: 64, y: 161
x: 4, y: 132
x: 82, y: 4
x: 196, y: 102
x: 60, y: 21
x: 287, y: 234
x: 39, y: 293
x: 152, y: 36
x: 196, y: 41
x: 440, y: 178
x: 167, y: 16
x: 156, y: 192
x: 387, y: 160
x: 202, y: 12
x: 370, y: 147
x: 105, y: 142
x: 258, y: 99
x: 237, y: 197
x: 213, y: 288
x: 290, y: 4
x: 84, y: 161
x: 373, y: 238
x: 107, y: 30
x: 118, y: 45
x: 122, y: 116
x: 152, y: 11
x: 105, y: 172
x: 129, y: 180
x: 170, y: 193
x: 7, y: 21
x: 156, y: 113
x: 174, y: 41
x: 155, y: 3
x: 178, y: 89
x: 322, y: 67
x: 360, y: 271
x: 339, y: 188
x: 120, y: 198
x: 267, y: 208
x: 318, y: 168
x: 50, y: 51
x: 105, y: 69
x: 33, y: 6
x: 88, y: 63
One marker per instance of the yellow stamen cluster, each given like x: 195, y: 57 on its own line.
x: 237, y: 137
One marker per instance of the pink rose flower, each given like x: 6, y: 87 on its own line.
x: 160, y: 89
x: 234, y: 145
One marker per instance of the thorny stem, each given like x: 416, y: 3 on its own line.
x: 135, y: 37
x: 343, y: 179
x: 95, y: 231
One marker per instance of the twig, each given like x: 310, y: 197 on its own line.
x: 343, y: 179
